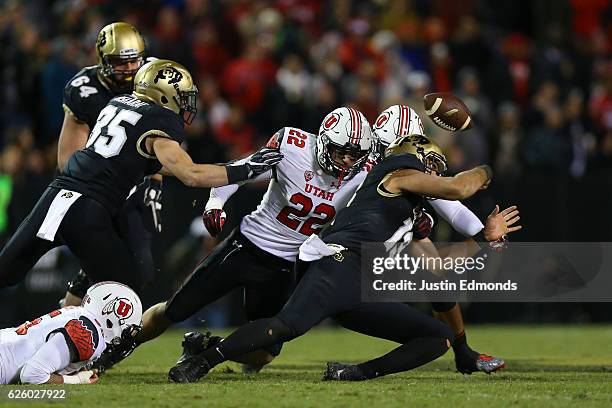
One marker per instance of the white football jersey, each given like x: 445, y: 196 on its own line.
x: 301, y: 199
x: 79, y: 327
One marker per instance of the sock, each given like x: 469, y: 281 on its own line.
x: 250, y: 337
x: 413, y: 354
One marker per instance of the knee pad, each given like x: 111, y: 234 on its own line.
x: 79, y: 285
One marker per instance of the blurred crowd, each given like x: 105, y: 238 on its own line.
x: 536, y: 75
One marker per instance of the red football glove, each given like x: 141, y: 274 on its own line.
x: 423, y: 226
x: 214, y: 219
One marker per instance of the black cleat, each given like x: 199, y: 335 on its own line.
x: 196, y: 342
x: 189, y: 370
x: 343, y: 372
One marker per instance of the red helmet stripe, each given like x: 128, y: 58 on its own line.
x: 355, y: 135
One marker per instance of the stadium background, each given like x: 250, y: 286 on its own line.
x: 537, y: 76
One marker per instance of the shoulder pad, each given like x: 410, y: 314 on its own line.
x: 84, y: 336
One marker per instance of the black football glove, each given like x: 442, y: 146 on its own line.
x: 152, y: 199
x: 423, y: 226
x: 263, y: 160
x: 258, y: 163
x: 214, y: 219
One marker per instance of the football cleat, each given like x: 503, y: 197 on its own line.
x: 189, y: 370
x: 196, y: 342
x: 343, y: 372
x: 481, y: 362
x: 489, y: 364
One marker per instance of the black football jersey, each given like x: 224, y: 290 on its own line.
x: 115, y: 158
x: 375, y: 215
x: 85, y: 95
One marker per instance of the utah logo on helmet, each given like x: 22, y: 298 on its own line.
x: 394, y: 122
x: 344, y: 131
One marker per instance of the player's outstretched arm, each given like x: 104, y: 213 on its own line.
x: 73, y: 137
x: 461, y: 218
x: 459, y: 187
x: 177, y: 162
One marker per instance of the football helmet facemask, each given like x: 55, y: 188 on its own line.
x: 167, y: 84
x: 394, y: 122
x: 344, y: 132
x: 120, y: 45
x: 426, y: 150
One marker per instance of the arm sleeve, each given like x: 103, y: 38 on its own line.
x: 53, y: 356
x: 459, y: 216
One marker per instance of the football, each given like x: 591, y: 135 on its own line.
x: 447, y: 111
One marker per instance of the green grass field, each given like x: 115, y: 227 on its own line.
x: 549, y: 366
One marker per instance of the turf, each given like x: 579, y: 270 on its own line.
x: 549, y: 366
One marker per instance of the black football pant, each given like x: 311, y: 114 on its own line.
x: 236, y: 263
x: 331, y: 288
x: 88, y: 231
x: 130, y: 226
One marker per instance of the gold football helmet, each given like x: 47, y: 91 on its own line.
x: 167, y: 84
x: 426, y: 150
x: 120, y: 44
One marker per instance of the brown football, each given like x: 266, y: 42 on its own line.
x: 447, y: 111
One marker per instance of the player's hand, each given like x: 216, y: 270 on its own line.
x: 263, y: 160
x: 152, y: 199
x: 423, y: 226
x: 499, y: 224
x: 214, y: 219
x: 94, y: 377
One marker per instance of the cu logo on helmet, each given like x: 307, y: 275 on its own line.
x: 382, y: 120
x: 170, y: 73
x: 331, y: 121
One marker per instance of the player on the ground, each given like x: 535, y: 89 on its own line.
x: 55, y: 348
x: 121, y: 52
x: 135, y: 135
x: 389, y: 125
x: 382, y: 210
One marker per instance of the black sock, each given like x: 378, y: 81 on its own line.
x: 250, y: 337
x: 406, y: 357
x: 461, y: 348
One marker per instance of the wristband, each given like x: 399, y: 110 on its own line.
x: 236, y: 173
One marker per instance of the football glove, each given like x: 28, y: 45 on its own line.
x: 423, y: 225
x: 214, y: 219
x: 152, y: 199
x: 256, y: 164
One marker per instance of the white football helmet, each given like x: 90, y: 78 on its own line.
x: 394, y: 122
x: 344, y: 131
x: 117, y: 307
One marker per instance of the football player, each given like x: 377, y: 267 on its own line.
x: 306, y: 189
x: 135, y: 135
x: 55, y: 348
x: 121, y: 52
x: 381, y: 210
x: 390, y: 125
x: 316, y: 178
